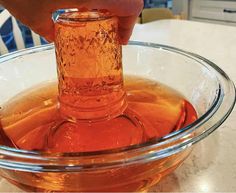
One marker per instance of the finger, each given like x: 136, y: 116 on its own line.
x: 126, y: 25
x: 126, y: 10
x: 118, y: 7
x: 45, y: 28
x: 49, y: 31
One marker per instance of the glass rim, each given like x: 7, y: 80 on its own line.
x: 95, y: 15
x: 156, y: 149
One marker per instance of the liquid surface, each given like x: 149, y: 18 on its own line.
x: 32, y: 120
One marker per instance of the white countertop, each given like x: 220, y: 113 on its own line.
x: 211, y: 167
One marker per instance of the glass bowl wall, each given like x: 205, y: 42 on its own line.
x: 205, y: 85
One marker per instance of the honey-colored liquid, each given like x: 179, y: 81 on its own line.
x: 153, y: 111
x: 32, y: 121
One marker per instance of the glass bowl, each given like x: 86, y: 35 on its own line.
x: 135, y: 168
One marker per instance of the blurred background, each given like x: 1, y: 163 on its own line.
x: 7, y: 36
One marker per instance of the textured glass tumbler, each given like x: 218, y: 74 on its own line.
x: 89, y: 65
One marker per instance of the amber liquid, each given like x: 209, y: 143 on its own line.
x: 153, y: 111
x: 32, y: 121
x: 92, y: 110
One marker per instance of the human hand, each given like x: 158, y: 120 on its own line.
x: 37, y: 14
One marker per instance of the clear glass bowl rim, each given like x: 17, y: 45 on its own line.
x: 22, y: 160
